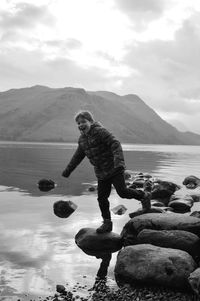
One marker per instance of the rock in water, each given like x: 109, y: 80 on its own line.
x: 163, y: 189
x: 119, y: 210
x: 46, y: 185
x: 64, y: 209
x: 181, y: 206
x: 94, y: 244
x: 191, y: 182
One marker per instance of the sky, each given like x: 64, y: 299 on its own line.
x: 146, y: 47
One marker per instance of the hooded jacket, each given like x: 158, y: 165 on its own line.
x: 103, y: 150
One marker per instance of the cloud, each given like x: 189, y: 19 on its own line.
x: 21, y: 68
x: 68, y: 43
x: 141, y: 12
x: 169, y: 70
x: 25, y: 16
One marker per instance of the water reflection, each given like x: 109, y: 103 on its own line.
x: 37, y: 249
x: 22, y: 165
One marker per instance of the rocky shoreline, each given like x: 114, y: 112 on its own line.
x: 102, y: 292
x: 169, y: 246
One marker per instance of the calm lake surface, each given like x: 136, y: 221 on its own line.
x: 37, y: 249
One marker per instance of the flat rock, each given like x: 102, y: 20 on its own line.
x: 175, y: 239
x: 143, y: 211
x: 159, y: 221
x: 181, y: 205
x: 92, y: 243
x: 154, y: 265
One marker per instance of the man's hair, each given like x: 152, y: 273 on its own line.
x: 84, y: 114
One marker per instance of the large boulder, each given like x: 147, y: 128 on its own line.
x: 92, y: 243
x: 154, y: 265
x: 174, y: 239
x: 159, y: 221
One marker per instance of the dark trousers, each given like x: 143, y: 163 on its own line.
x: 104, y: 190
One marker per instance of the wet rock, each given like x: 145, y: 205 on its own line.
x: 159, y: 221
x: 196, y: 197
x: 143, y: 211
x: 64, y: 209
x: 163, y: 189
x: 137, y: 183
x: 157, y: 203
x: 150, y: 264
x: 60, y: 288
x: 91, y: 188
x: 92, y: 243
x: 175, y: 239
x: 119, y: 210
x: 181, y: 206
x: 46, y: 185
x: 191, y: 182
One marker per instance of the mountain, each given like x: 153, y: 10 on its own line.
x: 41, y: 113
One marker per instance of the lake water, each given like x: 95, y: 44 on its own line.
x: 37, y: 249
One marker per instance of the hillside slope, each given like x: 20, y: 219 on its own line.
x: 44, y: 114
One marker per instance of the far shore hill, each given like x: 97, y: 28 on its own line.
x: 43, y: 114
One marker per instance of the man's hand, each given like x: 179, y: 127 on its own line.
x: 66, y: 173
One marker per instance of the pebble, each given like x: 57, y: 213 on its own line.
x: 101, y: 292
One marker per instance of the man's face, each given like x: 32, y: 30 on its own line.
x: 84, y: 125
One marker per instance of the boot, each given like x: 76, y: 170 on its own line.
x: 105, y: 227
x: 146, y: 200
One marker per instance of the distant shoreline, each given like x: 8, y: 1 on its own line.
x: 169, y: 148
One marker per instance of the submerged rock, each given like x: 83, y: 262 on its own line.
x: 154, y: 265
x: 64, y: 209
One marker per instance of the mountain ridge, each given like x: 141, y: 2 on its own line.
x: 40, y: 113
